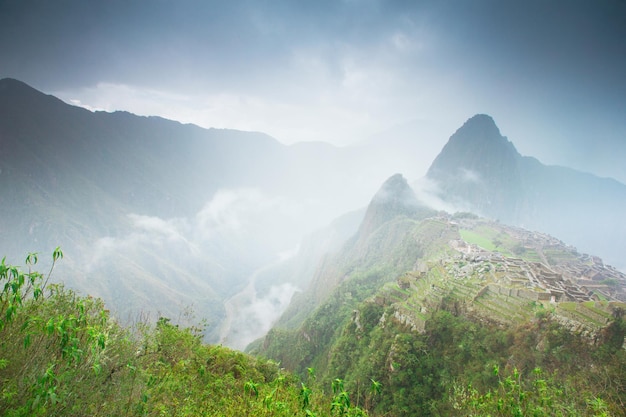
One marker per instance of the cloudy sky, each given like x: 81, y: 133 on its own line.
x: 551, y: 73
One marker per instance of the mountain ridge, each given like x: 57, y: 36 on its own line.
x: 148, y: 205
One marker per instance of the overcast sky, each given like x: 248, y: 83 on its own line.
x: 551, y: 73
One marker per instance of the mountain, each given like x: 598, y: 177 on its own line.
x: 370, y: 244
x: 421, y: 301
x: 155, y: 216
x: 444, y: 311
x: 395, y: 197
x: 480, y: 170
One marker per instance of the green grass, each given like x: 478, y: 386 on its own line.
x: 490, y: 238
x: 470, y: 236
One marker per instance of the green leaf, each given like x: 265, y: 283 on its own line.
x: 50, y: 327
x: 31, y: 258
x: 57, y: 254
x: 96, y: 368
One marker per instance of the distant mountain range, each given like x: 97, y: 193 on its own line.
x: 155, y: 216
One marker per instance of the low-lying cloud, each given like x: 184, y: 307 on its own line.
x: 428, y: 193
x: 214, y: 253
x: 230, y: 214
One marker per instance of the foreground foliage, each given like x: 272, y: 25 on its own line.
x: 62, y: 354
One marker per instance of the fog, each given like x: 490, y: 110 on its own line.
x: 250, y: 315
x: 551, y: 73
x: 428, y: 193
x: 215, y: 251
x: 351, y: 92
x: 206, y: 263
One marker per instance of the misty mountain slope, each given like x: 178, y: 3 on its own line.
x: 299, y: 266
x: 115, y: 191
x: 394, y: 198
x: 385, y: 238
x: 141, y: 206
x: 150, y: 164
x: 251, y: 312
x: 390, y: 308
x: 480, y: 170
x: 153, y: 215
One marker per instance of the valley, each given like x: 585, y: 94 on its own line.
x: 250, y: 314
x: 424, y: 291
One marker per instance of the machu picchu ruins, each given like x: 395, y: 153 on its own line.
x: 506, y: 274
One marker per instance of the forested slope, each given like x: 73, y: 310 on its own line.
x: 458, y: 315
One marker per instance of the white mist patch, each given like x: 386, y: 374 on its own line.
x: 288, y: 254
x: 250, y: 317
x: 155, y: 226
x: 237, y: 215
x: 428, y: 191
x: 162, y: 265
x: 241, y: 209
x: 162, y: 238
x: 471, y: 176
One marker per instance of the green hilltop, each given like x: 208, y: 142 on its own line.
x: 430, y: 304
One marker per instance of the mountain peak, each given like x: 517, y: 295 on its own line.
x: 480, y: 123
x: 395, y: 190
x: 477, y: 147
x: 8, y: 82
x: 479, y: 165
x: 21, y: 97
x: 478, y: 140
x: 394, y: 198
x: 11, y: 86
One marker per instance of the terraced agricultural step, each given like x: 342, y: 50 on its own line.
x: 492, y: 313
x: 503, y: 306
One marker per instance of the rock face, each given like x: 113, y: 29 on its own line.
x: 481, y: 169
x: 480, y: 166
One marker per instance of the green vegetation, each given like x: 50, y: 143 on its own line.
x: 540, y: 395
x: 62, y: 355
x: 447, y: 370
x: 378, y: 346
x: 441, y: 361
x: 479, y: 239
x: 432, y: 337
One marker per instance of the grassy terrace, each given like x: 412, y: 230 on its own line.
x: 586, y: 313
x: 489, y: 238
x: 505, y: 308
x: 559, y: 256
x: 478, y: 238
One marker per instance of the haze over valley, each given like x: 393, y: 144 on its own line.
x: 159, y: 218
x: 399, y: 183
